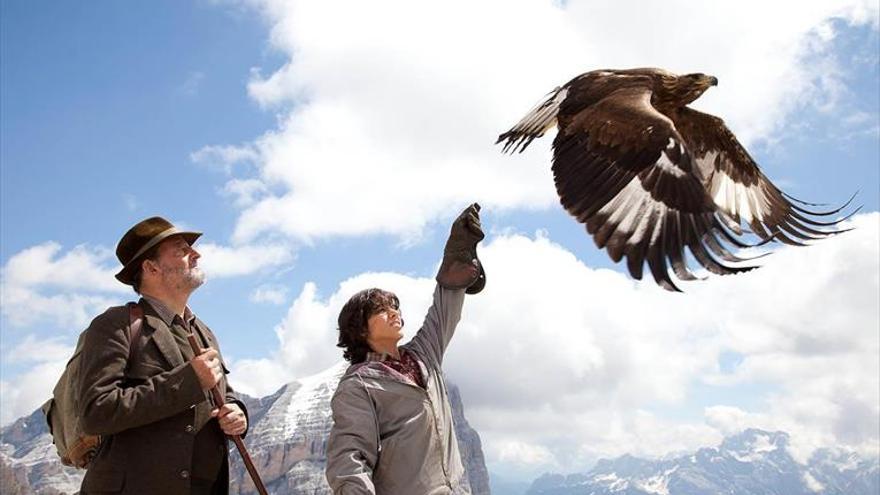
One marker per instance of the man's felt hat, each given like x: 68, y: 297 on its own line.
x: 140, y: 238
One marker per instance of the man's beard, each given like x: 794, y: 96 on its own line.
x: 189, y: 278
x: 195, y: 276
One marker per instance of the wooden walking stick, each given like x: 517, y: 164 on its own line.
x: 218, y: 402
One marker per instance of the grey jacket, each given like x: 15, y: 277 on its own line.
x: 390, y: 436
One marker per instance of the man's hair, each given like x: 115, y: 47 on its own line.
x: 353, y: 319
x: 137, y: 278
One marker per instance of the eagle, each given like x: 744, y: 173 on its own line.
x: 649, y: 176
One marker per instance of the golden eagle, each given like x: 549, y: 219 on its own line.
x: 649, y: 176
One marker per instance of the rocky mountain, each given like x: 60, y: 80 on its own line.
x: 287, y: 441
x: 29, y: 462
x: 751, y: 463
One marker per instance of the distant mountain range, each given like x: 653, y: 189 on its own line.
x: 287, y: 441
x: 754, y: 462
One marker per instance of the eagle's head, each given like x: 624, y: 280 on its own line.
x: 674, y: 91
x: 689, y: 87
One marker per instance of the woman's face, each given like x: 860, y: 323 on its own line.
x: 385, y: 326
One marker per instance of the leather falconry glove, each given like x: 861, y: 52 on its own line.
x: 461, y: 268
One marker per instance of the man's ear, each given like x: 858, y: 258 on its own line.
x: 149, y: 266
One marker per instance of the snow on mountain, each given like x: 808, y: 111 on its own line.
x: 29, y: 459
x: 750, y: 463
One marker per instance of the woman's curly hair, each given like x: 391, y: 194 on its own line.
x: 353, y: 319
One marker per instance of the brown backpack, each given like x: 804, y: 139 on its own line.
x: 75, y: 448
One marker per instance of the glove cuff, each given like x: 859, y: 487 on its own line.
x: 459, y: 270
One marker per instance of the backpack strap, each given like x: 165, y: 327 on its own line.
x: 135, y: 319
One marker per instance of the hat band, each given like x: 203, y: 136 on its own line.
x: 155, y: 240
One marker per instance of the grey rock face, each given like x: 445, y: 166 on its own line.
x: 30, y: 462
x: 470, y: 446
x: 287, y: 441
x: 754, y: 462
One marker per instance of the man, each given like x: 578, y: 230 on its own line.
x: 148, y: 398
x: 392, y: 424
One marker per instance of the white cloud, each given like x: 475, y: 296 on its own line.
x: 260, y: 377
x: 231, y: 261
x: 190, y: 86
x: 33, y: 350
x: 81, y: 267
x: 383, y: 107
x: 271, y: 294
x: 730, y: 420
x: 43, y: 283
x: 224, y: 157
x: 40, y: 283
x: 523, y: 454
x: 245, y: 192
x: 32, y: 388
x: 563, y: 363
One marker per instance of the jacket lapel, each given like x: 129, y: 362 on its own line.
x: 161, y: 335
x: 205, y: 336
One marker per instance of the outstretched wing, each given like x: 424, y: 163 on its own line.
x: 623, y: 170
x: 539, y: 120
x: 739, y: 188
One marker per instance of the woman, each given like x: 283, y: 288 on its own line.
x: 393, y: 431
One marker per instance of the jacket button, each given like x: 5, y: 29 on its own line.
x: 189, y: 429
x: 184, y: 474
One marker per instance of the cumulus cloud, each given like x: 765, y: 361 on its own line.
x: 561, y: 363
x: 42, y: 283
x: 224, y: 157
x: 385, y: 92
x: 260, y: 377
x: 30, y: 389
x: 523, y: 454
x: 244, y: 192
x: 271, y: 294
x: 45, y: 283
x: 237, y: 260
x: 44, y: 266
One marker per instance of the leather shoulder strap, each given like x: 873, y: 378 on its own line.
x: 136, y: 319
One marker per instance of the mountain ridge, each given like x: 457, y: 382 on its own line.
x: 752, y: 462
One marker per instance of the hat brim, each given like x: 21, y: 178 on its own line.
x: 126, y: 275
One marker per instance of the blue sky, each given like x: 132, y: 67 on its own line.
x: 320, y: 152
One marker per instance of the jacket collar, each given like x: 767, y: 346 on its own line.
x: 158, y: 328
x: 372, y: 366
x: 380, y: 356
x: 165, y: 313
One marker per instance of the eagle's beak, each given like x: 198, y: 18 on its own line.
x: 713, y: 81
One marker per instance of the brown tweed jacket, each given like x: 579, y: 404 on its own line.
x: 148, y: 410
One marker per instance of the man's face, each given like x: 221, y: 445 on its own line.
x: 385, y: 325
x: 178, y: 265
